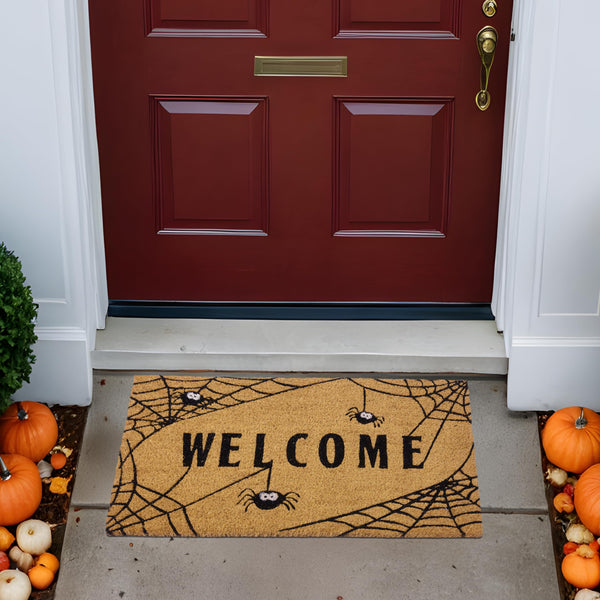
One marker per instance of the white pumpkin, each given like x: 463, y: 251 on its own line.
x: 14, y: 585
x: 34, y: 536
x: 585, y: 594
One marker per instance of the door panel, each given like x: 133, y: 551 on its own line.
x: 220, y: 185
x: 227, y: 137
x: 393, y: 18
x: 394, y: 159
x: 206, y: 17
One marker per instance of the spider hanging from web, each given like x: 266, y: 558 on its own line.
x: 267, y: 499
x: 364, y: 417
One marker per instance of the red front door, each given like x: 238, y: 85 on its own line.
x: 225, y: 185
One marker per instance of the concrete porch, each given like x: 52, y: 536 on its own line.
x: 513, y: 559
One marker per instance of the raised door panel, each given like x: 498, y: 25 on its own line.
x: 218, y: 18
x: 210, y: 165
x: 393, y: 166
x: 391, y: 18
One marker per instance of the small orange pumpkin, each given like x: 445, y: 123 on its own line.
x: 40, y: 576
x: 582, y: 567
x: 587, y: 498
x: 563, y: 503
x: 571, y: 439
x: 58, y: 460
x: 49, y: 561
x: 6, y: 539
x: 20, y: 488
x: 28, y: 428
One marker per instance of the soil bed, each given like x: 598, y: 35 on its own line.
x: 54, y: 507
x: 558, y: 521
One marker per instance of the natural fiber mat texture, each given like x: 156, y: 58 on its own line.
x: 296, y: 457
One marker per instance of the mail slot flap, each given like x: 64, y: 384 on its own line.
x: 301, y: 66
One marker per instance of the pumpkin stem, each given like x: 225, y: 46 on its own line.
x: 21, y: 412
x: 4, y: 472
x: 581, y: 421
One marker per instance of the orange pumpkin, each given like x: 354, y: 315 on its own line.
x: 58, y: 460
x: 587, y: 498
x: 6, y: 539
x: 582, y: 567
x: 28, y: 428
x: 20, y: 488
x: 49, y: 561
x: 571, y: 439
x: 41, y: 577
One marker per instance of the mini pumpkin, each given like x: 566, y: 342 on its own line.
x: 28, y: 428
x: 582, y: 567
x: 6, y: 539
x: 58, y: 460
x: 34, y: 536
x: 20, y: 488
x: 563, y: 503
x: 571, y: 438
x: 40, y: 576
x: 587, y: 499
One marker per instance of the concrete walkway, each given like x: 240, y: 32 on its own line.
x: 513, y: 559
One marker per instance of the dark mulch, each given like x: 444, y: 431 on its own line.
x: 558, y: 521
x: 54, y: 508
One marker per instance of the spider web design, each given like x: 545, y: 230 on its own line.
x: 155, y: 403
x: 443, y: 401
x: 153, y: 504
x: 451, y: 505
x: 440, y: 400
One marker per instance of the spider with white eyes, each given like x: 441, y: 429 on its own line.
x: 267, y: 500
x: 196, y: 399
x: 364, y: 417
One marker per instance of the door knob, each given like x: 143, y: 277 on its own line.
x: 487, y: 39
x: 489, y: 8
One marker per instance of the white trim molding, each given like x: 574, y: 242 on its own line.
x: 515, y: 124
x: 62, y: 372
x: 49, y: 177
x: 69, y: 25
x: 547, y: 374
x: 62, y: 334
x: 547, y: 278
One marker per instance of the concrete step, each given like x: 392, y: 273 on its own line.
x: 296, y: 346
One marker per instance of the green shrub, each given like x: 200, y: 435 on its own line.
x: 17, y: 314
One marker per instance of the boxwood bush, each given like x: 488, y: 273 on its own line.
x: 17, y: 315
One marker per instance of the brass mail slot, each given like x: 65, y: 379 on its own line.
x: 301, y: 66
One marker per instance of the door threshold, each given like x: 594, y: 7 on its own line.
x: 317, y: 311
x: 428, y: 346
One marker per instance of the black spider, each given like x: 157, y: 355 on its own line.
x: 364, y: 417
x: 267, y: 500
x: 196, y: 399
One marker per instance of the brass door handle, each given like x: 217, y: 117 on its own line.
x: 487, y: 39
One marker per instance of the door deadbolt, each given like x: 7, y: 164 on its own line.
x: 489, y: 8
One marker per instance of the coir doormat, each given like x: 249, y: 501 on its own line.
x: 296, y: 457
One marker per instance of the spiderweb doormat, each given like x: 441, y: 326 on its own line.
x: 224, y: 456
